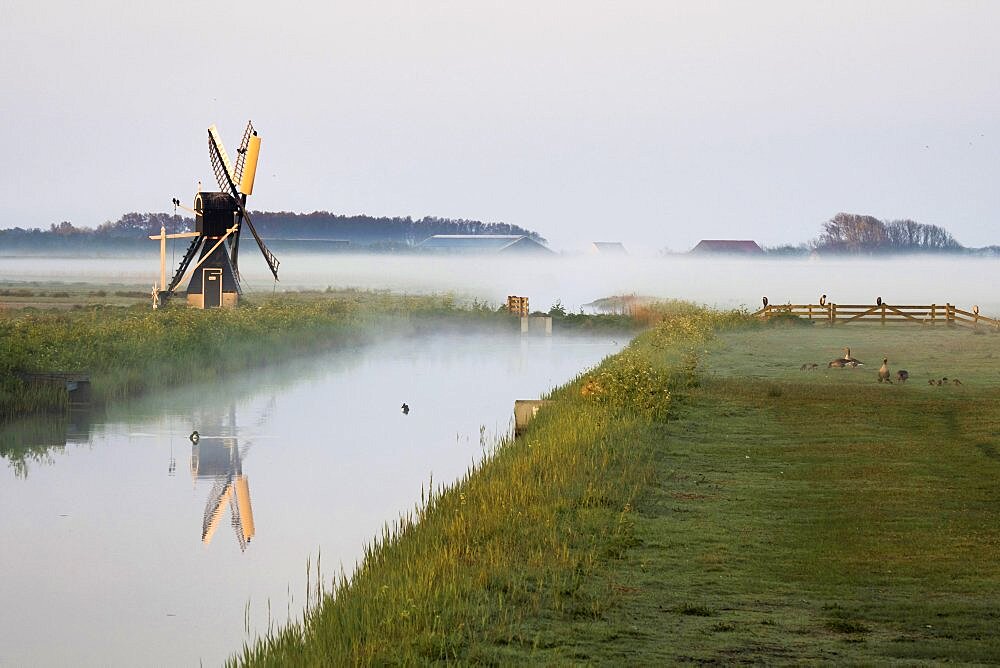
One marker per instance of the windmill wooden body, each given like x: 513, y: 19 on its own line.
x: 214, y: 278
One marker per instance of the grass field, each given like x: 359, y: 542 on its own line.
x: 820, y: 516
x: 699, y: 498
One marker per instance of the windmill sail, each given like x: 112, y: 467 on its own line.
x: 224, y: 173
x: 241, y: 153
x: 272, y: 262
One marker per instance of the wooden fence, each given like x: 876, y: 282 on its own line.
x: 947, y: 315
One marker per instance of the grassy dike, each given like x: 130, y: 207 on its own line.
x: 698, y: 498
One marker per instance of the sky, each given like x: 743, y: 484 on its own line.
x: 652, y: 123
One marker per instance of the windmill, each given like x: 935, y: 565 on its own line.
x: 219, y: 218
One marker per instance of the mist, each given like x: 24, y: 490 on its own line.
x: 722, y: 282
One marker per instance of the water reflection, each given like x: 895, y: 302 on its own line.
x: 35, y: 439
x: 216, y: 456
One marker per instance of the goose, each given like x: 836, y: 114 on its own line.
x: 902, y: 375
x: 930, y: 382
x: 405, y: 409
x: 883, y: 371
x: 956, y: 381
x: 846, y: 360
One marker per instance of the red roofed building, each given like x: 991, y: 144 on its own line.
x: 728, y: 246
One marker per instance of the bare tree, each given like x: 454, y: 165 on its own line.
x: 855, y: 233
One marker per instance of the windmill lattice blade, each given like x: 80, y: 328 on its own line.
x: 241, y: 154
x: 185, y: 261
x: 220, y: 162
x: 272, y: 261
x: 234, y: 252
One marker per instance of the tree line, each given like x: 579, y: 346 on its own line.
x: 279, y: 225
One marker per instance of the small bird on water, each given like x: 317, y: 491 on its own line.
x: 405, y: 409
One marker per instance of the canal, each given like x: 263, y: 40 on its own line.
x: 124, y: 543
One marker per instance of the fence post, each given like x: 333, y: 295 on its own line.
x: 883, y: 315
x: 949, y: 315
x: 833, y: 315
x: 933, y: 314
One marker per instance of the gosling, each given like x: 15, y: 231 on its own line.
x: 902, y: 375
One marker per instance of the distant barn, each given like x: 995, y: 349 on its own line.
x: 483, y: 244
x: 728, y: 247
x: 608, y: 248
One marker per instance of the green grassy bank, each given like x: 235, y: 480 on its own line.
x: 698, y: 498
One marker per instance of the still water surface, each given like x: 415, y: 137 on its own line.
x: 132, y: 546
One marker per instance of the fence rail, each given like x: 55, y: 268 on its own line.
x: 947, y: 315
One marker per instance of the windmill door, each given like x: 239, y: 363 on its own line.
x: 212, y: 287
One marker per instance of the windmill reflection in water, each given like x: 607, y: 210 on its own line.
x: 218, y: 457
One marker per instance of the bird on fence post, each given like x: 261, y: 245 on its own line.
x: 878, y: 301
x: 822, y: 300
x: 765, y: 301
